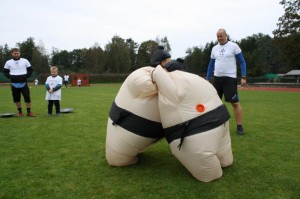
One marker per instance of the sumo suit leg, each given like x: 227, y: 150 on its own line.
x: 198, y: 154
x: 225, y: 152
x: 136, y: 119
x: 122, y: 146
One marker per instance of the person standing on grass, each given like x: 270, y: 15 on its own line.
x: 53, y: 95
x: 18, y: 70
x: 223, y: 59
x: 78, y: 82
x: 66, y: 80
x: 36, y: 82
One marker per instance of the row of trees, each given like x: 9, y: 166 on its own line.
x: 119, y: 56
x: 259, y: 50
x: 262, y: 53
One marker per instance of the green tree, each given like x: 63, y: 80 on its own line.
x: 206, y: 52
x: 77, y: 57
x: 133, y: 46
x: 198, y: 58
x: 194, y: 60
x: 260, y: 54
x: 289, y: 23
x: 27, y: 47
x: 4, y: 54
x: 287, y: 35
x: 94, y: 60
x: 40, y: 62
x: 62, y: 59
x: 146, y: 50
x: 255, y: 65
x: 268, y: 54
x: 40, y: 59
x: 164, y: 42
x: 117, y: 56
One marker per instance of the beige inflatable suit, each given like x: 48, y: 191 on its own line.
x: 134, y: 121
x: 195, y: 121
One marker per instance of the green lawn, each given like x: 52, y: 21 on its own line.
x: 64, y: 157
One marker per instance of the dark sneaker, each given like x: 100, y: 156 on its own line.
x: 30, y: 114
x: 57, y: 114
x: 240, y: 130
x: 20, y: 114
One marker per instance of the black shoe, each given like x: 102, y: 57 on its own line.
x: 240, y: 130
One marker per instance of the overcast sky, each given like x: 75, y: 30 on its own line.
x: 75, y: 24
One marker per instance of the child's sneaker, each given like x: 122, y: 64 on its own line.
x: 20, y: 114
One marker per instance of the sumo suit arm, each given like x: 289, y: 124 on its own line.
x: 165, y: 83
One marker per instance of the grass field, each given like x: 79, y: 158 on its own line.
x: 64, y: 157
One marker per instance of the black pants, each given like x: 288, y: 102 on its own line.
x: 16, y: 93
x: 50, y: 105
x: 226, y: 86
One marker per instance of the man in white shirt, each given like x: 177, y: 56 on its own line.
x: 66, y: 80
x: 18, y: 70
x: 223, y: 66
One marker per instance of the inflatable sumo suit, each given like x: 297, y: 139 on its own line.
x: 134, y: 121
x: 195, y: 122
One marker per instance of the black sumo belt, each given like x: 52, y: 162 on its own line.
x: 151, y: 129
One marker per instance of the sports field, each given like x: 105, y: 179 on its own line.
x: 64, y: 157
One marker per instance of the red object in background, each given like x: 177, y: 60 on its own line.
x: 85, y: 79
